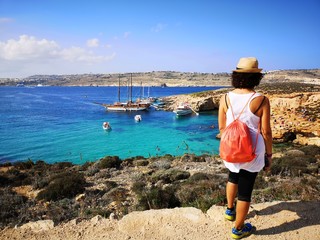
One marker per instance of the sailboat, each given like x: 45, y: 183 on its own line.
x: 148, y: 99
x: 127, y: 106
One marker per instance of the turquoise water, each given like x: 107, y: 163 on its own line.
x: 57, y: 124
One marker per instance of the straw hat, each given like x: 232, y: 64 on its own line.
x: 248, y: 65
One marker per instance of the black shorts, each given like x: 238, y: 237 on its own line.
x: 245, y: 181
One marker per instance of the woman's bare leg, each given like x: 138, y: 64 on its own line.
x: 241, y: 213
x: 232, y: 190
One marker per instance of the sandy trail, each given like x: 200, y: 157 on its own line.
x: 292, y: 220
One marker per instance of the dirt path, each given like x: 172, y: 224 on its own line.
x: 277, y: 220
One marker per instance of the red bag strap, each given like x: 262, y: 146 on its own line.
x: 242, y: 108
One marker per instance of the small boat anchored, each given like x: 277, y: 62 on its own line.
x: 137, y: 118
x: 184, y: 109
x: 106, y: 126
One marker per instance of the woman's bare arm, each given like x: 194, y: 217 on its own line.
x: 222, y: 119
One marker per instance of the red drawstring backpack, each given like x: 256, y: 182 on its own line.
x: 235, y: 143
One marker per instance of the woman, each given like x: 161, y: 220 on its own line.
x: 257, y: 116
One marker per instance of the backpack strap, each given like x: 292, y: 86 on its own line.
x: 242, y: 108
x: 260, y: 105
x: 225, y: 99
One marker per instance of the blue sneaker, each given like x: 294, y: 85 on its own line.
x: 245, y: 231
x: 230, y: 214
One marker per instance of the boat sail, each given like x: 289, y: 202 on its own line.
x: 126, y: 106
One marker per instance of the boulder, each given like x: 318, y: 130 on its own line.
x: 41, y: 225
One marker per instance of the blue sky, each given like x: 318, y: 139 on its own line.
x: 102, y: 36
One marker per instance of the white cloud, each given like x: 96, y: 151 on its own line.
x: 94, y: 42
x: 5, y: 20
x: 76, y: 54
x: 159, y: 27
x: 26, y: 48
x: 38, y: 50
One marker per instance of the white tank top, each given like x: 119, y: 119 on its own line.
x: 238, y: 101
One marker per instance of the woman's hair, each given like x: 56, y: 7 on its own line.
x: 246, y: 80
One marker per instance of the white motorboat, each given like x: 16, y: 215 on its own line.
x: 137, y: 118
x: 183, y: 109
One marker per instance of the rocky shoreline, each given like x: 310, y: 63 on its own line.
x: 295, y: 114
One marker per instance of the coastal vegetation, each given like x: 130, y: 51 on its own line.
x: 35, y: 190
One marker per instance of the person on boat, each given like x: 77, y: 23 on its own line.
x: 256, y: 115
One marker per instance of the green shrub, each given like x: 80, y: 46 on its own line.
x: 161, y: 164
x: 41, y: 167
x: 10, y: 206
x: 85, y: 166
x: 138, y: 187
x: 110, y: 185
x: 260, y: 182
x: 117, y: 194
x: 109, y: 162
x: 157, y: 198
x: 64, y: 185
x: 40, y: 181
x: 312, y: 182
x: 289, y: 166
x: 14, y: 177
x: 24, y: 165
x: 311, y: 150
x: 127, y: 162
x: 61, y: 166
x: 4, y: 180
x: 140, y: 163
x: 200, y: 176
x: 62, y: 210
x: 6, y: 164
x: 295, y: 189
x: 201, y: 158
x: 169, y: 176
x: 202, y: 193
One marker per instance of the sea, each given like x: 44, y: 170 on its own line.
x: 59, y: 124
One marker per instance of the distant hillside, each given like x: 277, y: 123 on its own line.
x: 160, y: 78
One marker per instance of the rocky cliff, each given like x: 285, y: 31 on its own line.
x: 295, y: 113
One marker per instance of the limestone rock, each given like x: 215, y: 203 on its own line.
x: 137, y: 223
x: 41, y: 225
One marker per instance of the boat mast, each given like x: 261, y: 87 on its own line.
x: 119, y: 89
x: 141, y: 91
x: 131, y: 89
x: 128, y: 92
